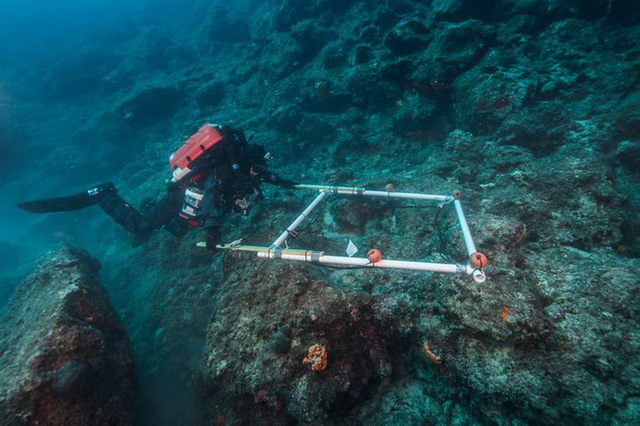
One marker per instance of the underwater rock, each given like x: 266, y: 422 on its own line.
x: 628, y: 154
x: 556, y: 10
x: 73, y: 379
x: 286, y: 118
x: 285, y: 14
x: 150, y: 105
x: 448, y: 9
x: 414, y: 116
x: 587, y: 310
x: 66, y: 358
x: 371, y: 93
x: 334, y: 56
x: 241, y: 365
x: 520, y: 24
x: 322, y: 98
x: 314, y: 131
x: 279, y: 341
x: 454, y: 49
x: 459, y: 10
x: 311, y: 37
x: 280, y: 58
x: 363, y: 54
x: 211, y: 95
x: 626, y: 119
x: 408, y: 37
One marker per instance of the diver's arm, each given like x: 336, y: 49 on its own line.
x: 238, y: 143
x: 274, y: 179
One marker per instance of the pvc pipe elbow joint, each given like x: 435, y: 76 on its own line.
x: 479, y: 276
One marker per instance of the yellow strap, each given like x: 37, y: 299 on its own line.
x: 299, y: 252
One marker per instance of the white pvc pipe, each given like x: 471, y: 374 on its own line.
x: 353, y: 190
x: 468, y: 240
x: 478, y: 276
x: 360, y: 261
x: 407, y: 195
x: 300, y: 218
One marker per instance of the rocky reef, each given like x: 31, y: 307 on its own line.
x: 526, y: 346
x: 528, y: 107
x: 65, y: 357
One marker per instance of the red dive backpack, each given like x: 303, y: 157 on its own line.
x: 195, y: 151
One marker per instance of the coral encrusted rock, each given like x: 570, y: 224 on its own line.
x: 65, y: 357
x: 351, y: 356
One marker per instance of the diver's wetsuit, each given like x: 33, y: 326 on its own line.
x: 227, y: 186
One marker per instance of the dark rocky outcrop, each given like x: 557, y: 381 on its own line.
x: 65, y: 357
x: 150, y: 105
x: 257, y: 368
x: 407, y: 37
x: 548, y: 354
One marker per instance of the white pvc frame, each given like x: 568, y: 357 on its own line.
x: 275, y: 251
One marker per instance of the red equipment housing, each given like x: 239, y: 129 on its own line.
x: 187, y: 157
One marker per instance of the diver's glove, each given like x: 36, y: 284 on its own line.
x: 274, y: 179
x: 213, y: 238
x: 287, y: 183
x: 244, y: 181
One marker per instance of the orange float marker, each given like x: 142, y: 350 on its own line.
x: 478, y: 260
x: 374, y: 255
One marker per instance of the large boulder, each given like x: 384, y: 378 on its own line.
x: 65, y: 355
x: 555, y: 346
x: 150, y: 106
x: 262, y: 332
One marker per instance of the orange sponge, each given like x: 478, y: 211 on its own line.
x: 317, y: 357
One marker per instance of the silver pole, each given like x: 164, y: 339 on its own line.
x: 300, y: 218
x: 361, y: 261
x: 407, y: 195
x: 354, y: 190
x: 333, y: 189
x: 468, y: 240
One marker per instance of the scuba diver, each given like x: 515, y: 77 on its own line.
x: 216, y: 171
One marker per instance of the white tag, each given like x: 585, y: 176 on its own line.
x: 234, y: 243
x: 351, y: 249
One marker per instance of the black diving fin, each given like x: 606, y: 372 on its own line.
x: 70, y: 203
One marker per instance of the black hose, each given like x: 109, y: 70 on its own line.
x: 441, y: 238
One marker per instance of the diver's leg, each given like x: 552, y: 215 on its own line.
x: 85, y: 199
x: 128, y: 217
x: 165, y: 214
x: 177, y: 227
x: 166, y: 209
x: 124, y: 214
x: 107, y: 196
